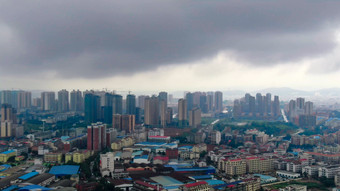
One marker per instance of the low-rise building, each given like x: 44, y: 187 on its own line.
x: 294, y: 187
x: 53, y: 157
x: 329, y: 171
x: 312, y: 170
x: 107, y: 164
x: 4, y: 156
x: 233, y: 166
x: 201, y: 186
x: 288, y: 175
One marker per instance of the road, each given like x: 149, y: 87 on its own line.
x: 284, y: 116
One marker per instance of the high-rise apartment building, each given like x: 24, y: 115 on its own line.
x: 107, y: 108
x: 48, y: 102
x: 117, y: 104
x: 141, y: 101
x: 195, y: 117
x: 276, y: 106
x: 215, y: 137
x: 203, y: 103
x: 131, y: 104
x: 6, y: 129
x: 190, y: 101
x: 37, y: 102
x: 96, y: 136
x: 309, y: 108
x: 169, y: 115
x: 163, y: 96
x: 8, y: 113
x: 124, y: 122
x: 63, y: 101
x: 210, y: 101
x: 258, y: 103
x: 107, y: 164
x: 9, y: 97
x: 163, y: 110
x: 269, y: 103
x: 218, y: 101
x: 8, y: 120
x: 92, y: 108
x: 128, y: 123
x: 182, y: 112
x: 77, y: 101
x: 17, y: 98
x: 117, y: 121
x: 300, y: 103
x: 151, y: 113
x: 24, y: 99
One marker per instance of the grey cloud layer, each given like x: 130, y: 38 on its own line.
x: 94, y: 39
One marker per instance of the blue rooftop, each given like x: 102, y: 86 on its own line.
x: 225, y: 185
x: 64, y: 138
x: 7, y: 152
x: 118, y: 154
x: 151, y: 143
x: 317, y: 137
x: 185, y: 147
x: 4, y: 167
x: 206, y: 170
x: 64, y: 170
x: 137, y: 153
x: 265, y: 178
x: 13, y: 187
x: 142, y: 157
x: 28, y: 175
x: 214, y: 182
x: 34, y: 187
x: 172, y: 144
x: 202, y: 177
x: 166, y: 181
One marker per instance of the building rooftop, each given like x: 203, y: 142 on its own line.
x: 137, y: 153
x: 28, y: 175
x: 215, y: 182
x: 159, y: 137
x: 34, y: 187
x: 195, y: 184
x: 64, y: 170
x: 7, y: 152
x: 166, y: 181
x: 201, y: 177
x: 40, y: 178
x: 142, y: 157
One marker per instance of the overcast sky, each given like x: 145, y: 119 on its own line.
x: 169, y: 45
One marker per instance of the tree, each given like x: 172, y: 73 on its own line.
x: 202, y: 154
x: 11, y: 159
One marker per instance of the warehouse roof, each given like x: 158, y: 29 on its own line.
x: 28, y: 175
x: 7, y: 152
x: 64, y: 170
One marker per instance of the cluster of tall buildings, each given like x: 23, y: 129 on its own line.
x: 111, y: 108
x: 258, y: 106
x: 206, y: 101
x: 194, y: 104
x: 18, y: 99
x: 9, y: 126
x: 48, y: 101
x: 301, y: 112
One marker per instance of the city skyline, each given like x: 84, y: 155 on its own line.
x: 217, y: 45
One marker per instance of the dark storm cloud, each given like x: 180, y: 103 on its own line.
x: 94, y: 39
